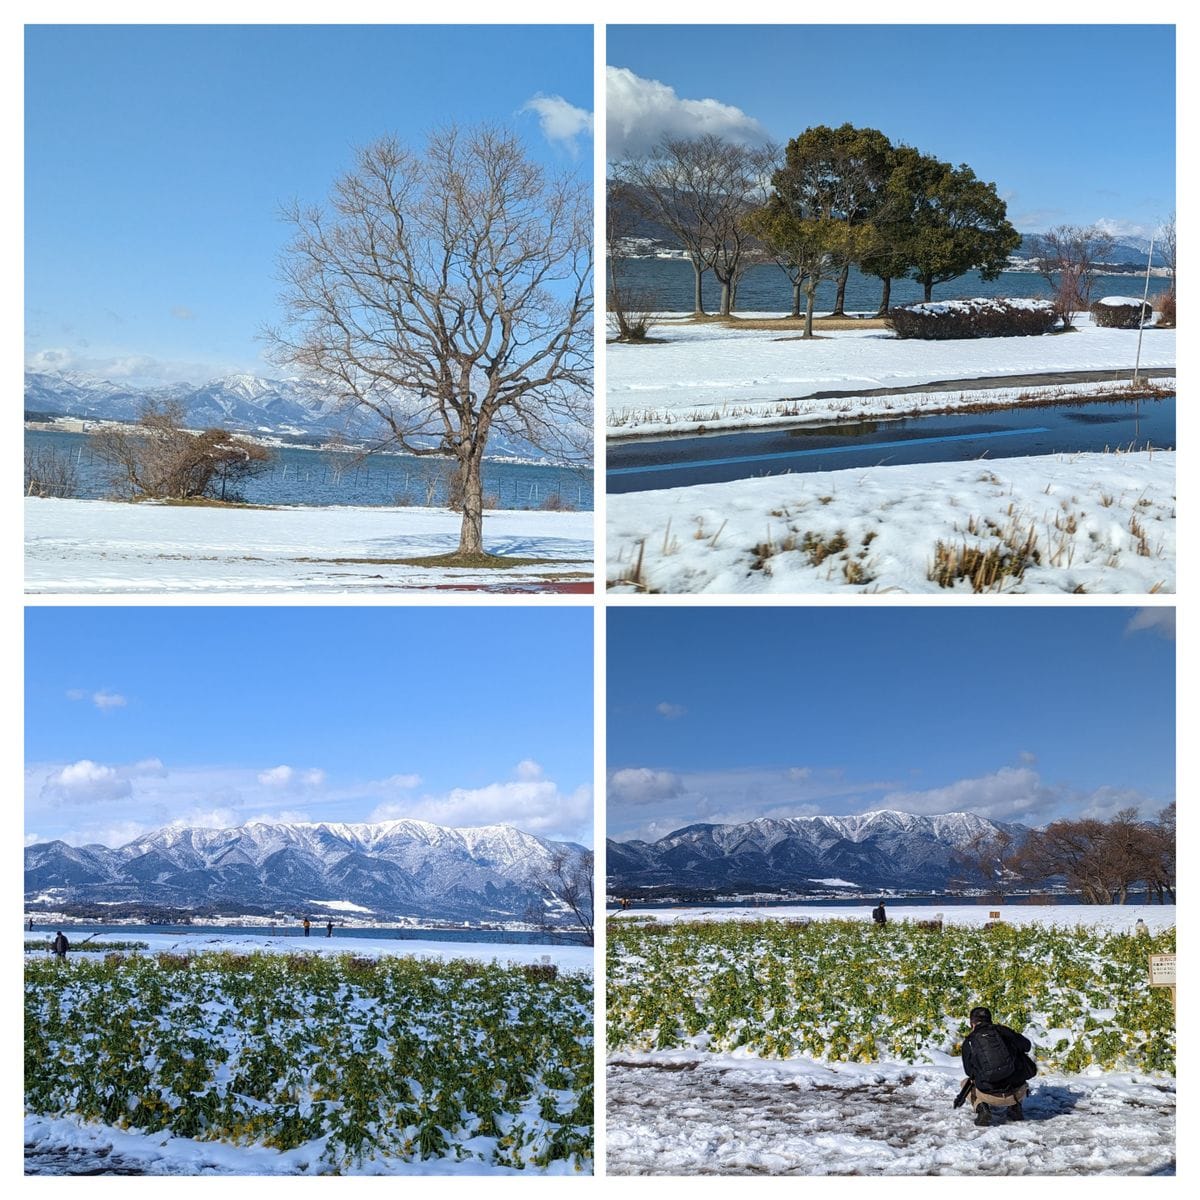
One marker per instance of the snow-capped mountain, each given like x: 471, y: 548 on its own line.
x: 241, y: 402
x: 391, y: 868
x: 884, y: 849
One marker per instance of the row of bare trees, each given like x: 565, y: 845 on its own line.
x: 832, y: 199
x: 1103, y: 861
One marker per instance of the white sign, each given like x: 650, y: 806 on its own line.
x: 1162, y: 970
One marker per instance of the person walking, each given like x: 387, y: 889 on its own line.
x: 879, y: 914
x: 60, y: 946
x: 307, y: 927
x: 996, y: 1062
x: 329, y: 929
x: 30, y: 925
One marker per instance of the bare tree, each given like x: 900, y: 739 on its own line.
x: 160, y: 459
x: 700, y: 190
x: 50, y: 472
x: 449, y: 293
x: 1068, y: 258
x: 1167, y: 246
x: 992, y: 860
x: 569, y: 880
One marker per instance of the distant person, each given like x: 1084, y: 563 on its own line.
x: 30, y: 926
x: 60, y: 946
x: 879, y: 914
x: 998, y: 1067
x: 1139, y: 927
x: 307, y: 927
x: 329, y: 929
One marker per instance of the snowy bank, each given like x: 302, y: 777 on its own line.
x: 104, y: 546
x: 686, y: 1114
x: 567, y: 958
x: 705, y: 373
x: 1119, y: 918
x: 1098, y: 523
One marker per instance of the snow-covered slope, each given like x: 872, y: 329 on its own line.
x: 884, y: 849
x: 391, y: 868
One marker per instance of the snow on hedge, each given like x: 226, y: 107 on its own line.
x: 982, y: 304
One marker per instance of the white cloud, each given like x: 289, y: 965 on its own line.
x: 86, y: 782
x: 1123, y: 229
x: 666, y: 709
x: 106, y: 701
x: 643, y: 785
x: 527, y: 769
x: 284, y: 777
x: 285, y: 816
x: 76, y: 694
x: 1160, y: 620
x: 799, y: 774
x: 1009, y: 794
x: 534, y: 805
x: 31, y: 839
x: 399, y: 783
x: 561, y: 121
x: 641, y: 112
x: 131, y: 369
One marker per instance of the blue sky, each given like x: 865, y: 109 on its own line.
x: 139, y: 717
x: 1016, y: 713
x: 157, y: 158
x: 1074, y: 124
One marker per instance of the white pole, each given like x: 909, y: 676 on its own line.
x: 1142, y: 314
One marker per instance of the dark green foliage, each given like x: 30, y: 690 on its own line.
x: 1122, y: 316
x: 974, y: 319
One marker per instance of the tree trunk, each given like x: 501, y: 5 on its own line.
x: 726, y: 297
x: 839, y: 304
x: 885, y: 300
x: 927, y: 281
x: 796, y: 299
x: 698, y: 302
x: 470, y: 538
x: 808, y: 311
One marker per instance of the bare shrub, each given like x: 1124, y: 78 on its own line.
x: 1120, y: 313
x: 979, y: 318
x: 50, y: 472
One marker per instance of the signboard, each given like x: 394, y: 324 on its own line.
x: 994, y: 916
x: 1162, y: 970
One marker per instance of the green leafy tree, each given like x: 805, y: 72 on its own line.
x: 958, y: 223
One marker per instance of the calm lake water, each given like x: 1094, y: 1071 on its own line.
x: 131, y: 933
x: 766, y: 288
x: 328, y: 477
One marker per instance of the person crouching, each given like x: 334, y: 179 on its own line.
x: 997, y: 1065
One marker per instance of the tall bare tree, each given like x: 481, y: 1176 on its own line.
x: 569, y: 880
x: 700, y: 189
x: 1068, y: 258
x: 448, y: 291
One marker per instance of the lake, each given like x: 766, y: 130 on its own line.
x: 766, y: 288
x: 321, y: 477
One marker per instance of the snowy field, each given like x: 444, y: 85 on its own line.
x: 741, y: 1042
x: 103, y: 546
x: 566, y: 958
x: 678, y: 1113
x: 723, y: 377
x: 1118, y: 918
x: 395, y: 1058
x: 1099, y: 523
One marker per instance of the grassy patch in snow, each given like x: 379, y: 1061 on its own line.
x: 363, y: 1058
x: 846, y: 991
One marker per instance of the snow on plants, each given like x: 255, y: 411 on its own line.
x: 845, y: 991
x: 360, y: 1060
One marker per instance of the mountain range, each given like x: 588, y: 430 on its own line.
x: 882, y: 850
x: 389, y: 869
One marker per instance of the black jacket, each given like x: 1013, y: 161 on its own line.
x: 60, y: 944
x: 1018, y: 1046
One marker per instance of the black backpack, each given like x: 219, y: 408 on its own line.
x: 991, y: 1055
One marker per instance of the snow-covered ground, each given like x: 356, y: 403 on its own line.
x: 719, y: 376
x: 1101, y: 523
x: 679, y: 1113
x: 567, y: 958
x: 103, y: 546
x: 1114, y: 917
